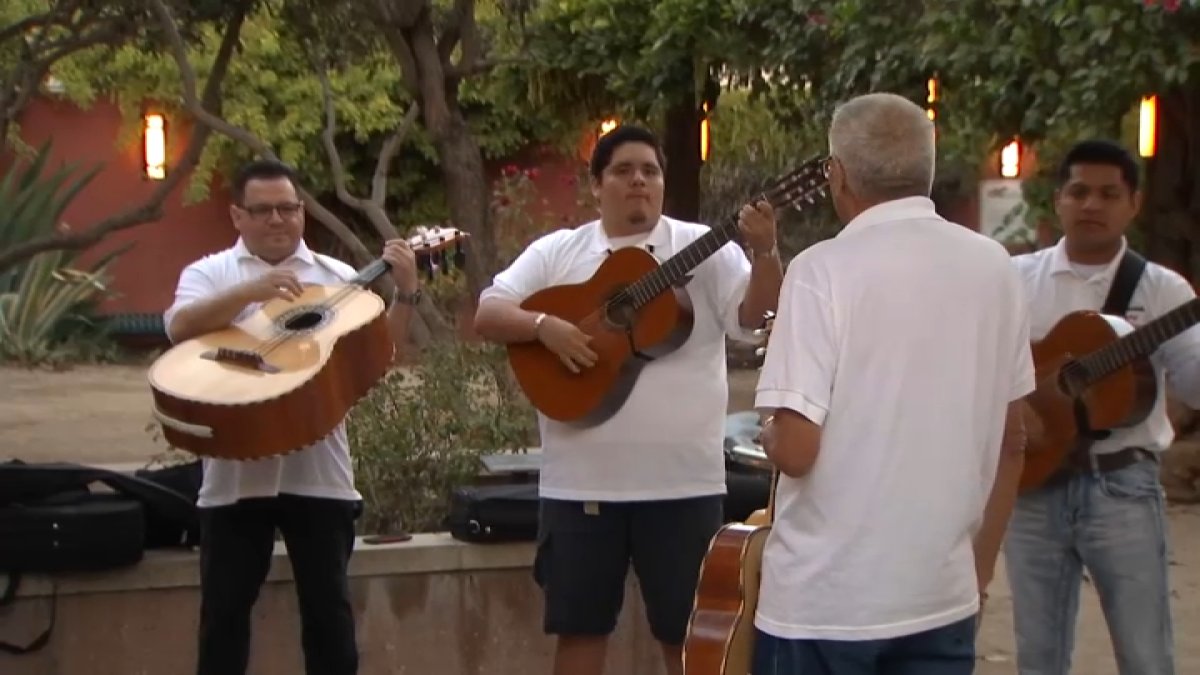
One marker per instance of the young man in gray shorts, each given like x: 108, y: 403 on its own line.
x: 646, y: 486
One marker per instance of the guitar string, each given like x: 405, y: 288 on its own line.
x: 645, y: 290
x: 329, y: 304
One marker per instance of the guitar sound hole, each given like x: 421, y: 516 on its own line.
x: 303, y: 319
x: 620, y: 314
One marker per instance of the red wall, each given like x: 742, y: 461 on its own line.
x: 144, y: 277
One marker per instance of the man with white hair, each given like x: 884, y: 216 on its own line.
x: 894, y: 373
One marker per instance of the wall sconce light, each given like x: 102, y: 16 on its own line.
x: 1148, y: 126
x: 931, y: 97
x: 154, y: 140
x: 704, y: 138
x: 1010, y: 159
x: 607, y: 125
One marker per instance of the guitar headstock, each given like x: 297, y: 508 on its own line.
x: 801, y: 186
x: 431, y: 245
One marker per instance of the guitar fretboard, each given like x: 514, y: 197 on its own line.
x: 1141, y: 342
x: 796, y: 187
x: 674, y: 269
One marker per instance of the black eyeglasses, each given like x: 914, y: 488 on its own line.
x: 264, y: 211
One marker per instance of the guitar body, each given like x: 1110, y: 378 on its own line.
x: 1122, y: 399
x: 595, y: 394
x: 720, y: 635
x: 215, y: 397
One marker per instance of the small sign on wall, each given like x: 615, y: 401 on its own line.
x: 1002, y: 210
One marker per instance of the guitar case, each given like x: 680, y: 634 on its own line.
x: 494, y: 513
x: 52, y: 522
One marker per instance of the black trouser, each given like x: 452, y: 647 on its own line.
x: 235, y: 555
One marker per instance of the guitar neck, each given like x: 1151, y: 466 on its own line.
x: 677, y: 266
x: 1141, y: 342
x: 367, y: 275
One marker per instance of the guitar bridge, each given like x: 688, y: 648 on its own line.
x: 241, y: 357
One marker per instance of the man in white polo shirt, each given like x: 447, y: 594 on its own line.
x: 647, y: 485
x: 1104, y: 511
x: 894, y: 376
x: 309, y: 495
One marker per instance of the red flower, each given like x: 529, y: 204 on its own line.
x: 1170, y: 6
x: 531, y: 173
x: 510, y: 170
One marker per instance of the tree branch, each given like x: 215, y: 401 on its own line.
x: 389, y: 150
x: 197, y: 109
x: 337, y: 169
x: 150, y: 210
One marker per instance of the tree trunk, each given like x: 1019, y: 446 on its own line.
x: 1170, y: 219
x: 467, y: 193
x: 681, y: 145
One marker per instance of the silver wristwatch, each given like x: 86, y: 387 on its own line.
x: 407, y: 298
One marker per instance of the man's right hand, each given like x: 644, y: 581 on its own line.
x: 273, y: 284
x: 568, y: 342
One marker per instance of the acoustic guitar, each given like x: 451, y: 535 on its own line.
x: 635, y: 310
x: 1093, y: 375
x: 285, y: 376
x: 720, y: 632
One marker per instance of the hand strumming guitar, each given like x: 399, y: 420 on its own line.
x: 567, y: 342
x: 273, y: 284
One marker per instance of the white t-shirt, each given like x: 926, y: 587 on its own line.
x: 666, y: 441
x: 905, y: 338
x: 323, y: 469
x: 1055, y: 287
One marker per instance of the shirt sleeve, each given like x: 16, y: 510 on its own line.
x: 194, y: 284
x: 1179, y: 356
x: 528, y: 274
x: 1024, y: 378
x: 730, y: 282
x: 803, y: 352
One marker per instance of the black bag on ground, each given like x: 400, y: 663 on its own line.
x: 494, y: 513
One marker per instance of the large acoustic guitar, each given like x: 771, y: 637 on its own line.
x: 720, y: 632
x: 1093, y: 375
x: 285, y: 376
x: 635, y: 310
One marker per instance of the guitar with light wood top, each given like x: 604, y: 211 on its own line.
x: 1093, y: 374
x: 286, y: 375
x: 635, y: 310
x: 720, y: 632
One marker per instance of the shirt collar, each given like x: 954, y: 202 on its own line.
x: 302, y: 253
x: 906, y: 208
x: 1060, y: 263
x: 659, y: 237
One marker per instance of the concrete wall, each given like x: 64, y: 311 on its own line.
x: 432, y: 606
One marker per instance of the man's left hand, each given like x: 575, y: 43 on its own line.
x: 757, y: 223
x: 403, y: 263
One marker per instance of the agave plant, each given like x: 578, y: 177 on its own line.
x: 40, y: 294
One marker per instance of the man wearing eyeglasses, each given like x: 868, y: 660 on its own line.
x: 309, y: 495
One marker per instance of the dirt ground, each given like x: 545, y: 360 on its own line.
x: 100, y: 415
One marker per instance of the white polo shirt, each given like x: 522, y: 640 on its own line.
x: 905, y: 338
x: 666, y: 441
x: 321, y: 470
x: 1056, y: 286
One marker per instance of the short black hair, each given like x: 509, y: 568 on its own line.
x: 1100, y: 151
x: 626, y: 133
x: 261, y: 169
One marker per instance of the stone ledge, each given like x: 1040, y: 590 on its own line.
x: 160, y: 569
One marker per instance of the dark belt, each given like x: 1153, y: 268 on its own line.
x: 1109, y: 461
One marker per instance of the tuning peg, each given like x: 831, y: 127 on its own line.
x: 460, y: 258
x: 760, y: 352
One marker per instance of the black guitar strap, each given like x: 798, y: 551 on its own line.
x: 1129, y: 273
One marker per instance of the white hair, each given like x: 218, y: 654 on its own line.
x: 885, y: 143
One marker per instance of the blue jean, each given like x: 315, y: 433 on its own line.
x: 1114, y: 525
x: 949, y: 650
